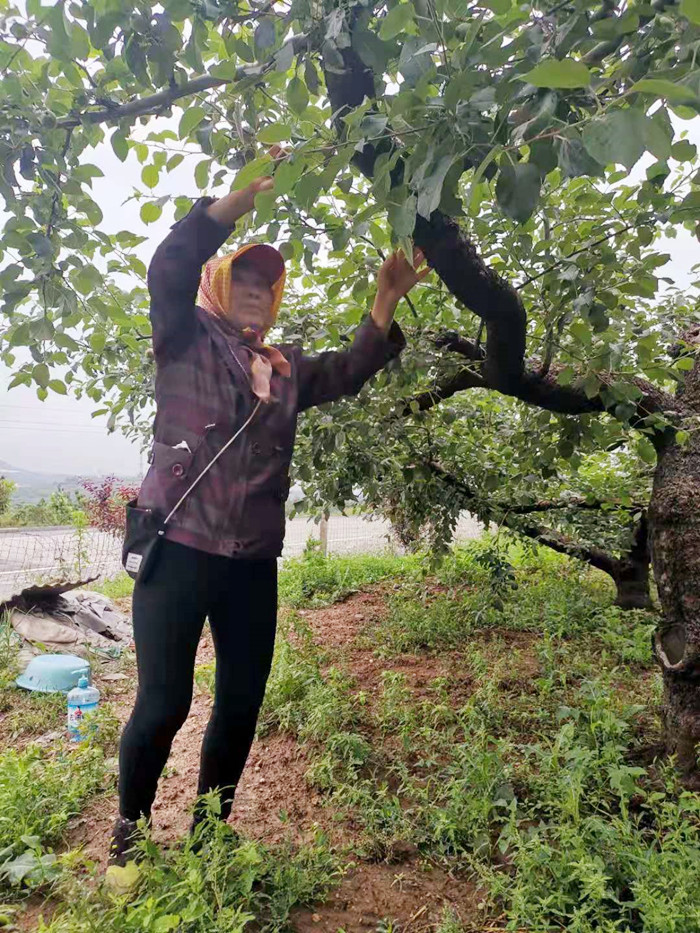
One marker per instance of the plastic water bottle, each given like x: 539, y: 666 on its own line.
x: 83, y: 701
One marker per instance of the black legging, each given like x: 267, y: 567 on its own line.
x: 240, y: 599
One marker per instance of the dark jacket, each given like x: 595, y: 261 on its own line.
x: 203, y: 396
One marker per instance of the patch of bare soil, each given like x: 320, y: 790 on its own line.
x: 413, y: 896
x: 339, y: 626
x: 275, y: 801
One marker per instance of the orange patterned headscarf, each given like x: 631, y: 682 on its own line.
x: 214, y: 296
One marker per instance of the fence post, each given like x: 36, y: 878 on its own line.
x: 323, y: 535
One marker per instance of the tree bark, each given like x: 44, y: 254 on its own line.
x: 674, y: 517
x: 631, y: 574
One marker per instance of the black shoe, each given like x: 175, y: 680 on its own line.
x: 125, y: 835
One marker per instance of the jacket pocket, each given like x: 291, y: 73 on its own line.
x: 170, y: 461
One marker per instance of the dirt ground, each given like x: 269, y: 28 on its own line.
x: 274, y: 799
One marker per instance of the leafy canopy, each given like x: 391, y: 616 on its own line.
x: 520, y: 120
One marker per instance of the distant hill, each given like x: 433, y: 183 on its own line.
x: 31, y: 486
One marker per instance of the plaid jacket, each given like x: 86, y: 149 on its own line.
x: 203, y: 395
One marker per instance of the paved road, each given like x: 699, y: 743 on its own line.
x: 29, y: 555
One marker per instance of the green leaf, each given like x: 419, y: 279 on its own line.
x: 683, y: 151
x: 414, y: 61
x: 685, y: 363
x: 660, y: 87
x: 646, y: 450
x: 201, y: 173
x: 499, y: 7
x: 264, y: 36
x: 190, y: 119
x: 40, y: 243
x: 120, y: 145
x: 297, y: 95
x: 40, y: 375
x: 287, y: 174
x: 65, y: 341
x: 243, y: 50
x: 149, y: 175
x: 402, y: 214
x: 617, y: 137
x: 166, y: 923
x: 284, y: 57
x: 431, y: 186
x: 373, y: 52
x: 308, y: 189
x: 264, y: 203
x: 58, y: 386
x: 252, y: 170
x: 396, y: 21
x: 658, y: 133
x: 691, y: 10
x: 274, y: 133
x: 591, y: 385
x: 98, y: 341
x: 86, y: 172
x: 311, y: 76
x: 574, y: 160
x: 150, y: 212
x: 567, y: 73
x: 518, y: 190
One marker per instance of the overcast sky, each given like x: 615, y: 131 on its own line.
x: 59, y: 435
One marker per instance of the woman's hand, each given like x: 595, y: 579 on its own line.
x: 395, y: 279
x: 235, y: 205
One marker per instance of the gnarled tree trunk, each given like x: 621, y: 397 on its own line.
x: 674, y: 518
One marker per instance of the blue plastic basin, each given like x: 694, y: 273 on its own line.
x: 53, y: 673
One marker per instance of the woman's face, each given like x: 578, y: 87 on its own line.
x: 251, y: 297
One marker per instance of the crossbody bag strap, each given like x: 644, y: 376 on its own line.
x: 212, y: 462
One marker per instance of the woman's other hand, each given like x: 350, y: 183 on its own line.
x: 395, y: 279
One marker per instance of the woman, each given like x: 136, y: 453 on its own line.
x: 219, y: 556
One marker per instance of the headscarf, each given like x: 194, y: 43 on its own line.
x: 214, y: 296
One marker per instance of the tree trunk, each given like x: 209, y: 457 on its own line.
x: 674, y: 518
x: 631, y: 574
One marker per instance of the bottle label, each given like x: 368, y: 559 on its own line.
x: 77, y: 716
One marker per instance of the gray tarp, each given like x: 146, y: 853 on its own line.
x: 54, y: 619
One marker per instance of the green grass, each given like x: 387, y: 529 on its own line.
x: 232, y: 884
x: 523, y: 767
x: 313, y: 580
x: 117, y: 587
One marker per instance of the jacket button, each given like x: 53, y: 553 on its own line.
x: 178, y: 469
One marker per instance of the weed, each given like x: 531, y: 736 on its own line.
x: 314, y: 580
x: 38, y: 794
x: 232, y: 883
x: 118, y: 587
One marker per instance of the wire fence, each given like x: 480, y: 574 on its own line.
x: 39, y: 555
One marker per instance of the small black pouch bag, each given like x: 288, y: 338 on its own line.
x: 145, y: 528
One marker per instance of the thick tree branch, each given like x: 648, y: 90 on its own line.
x: 562, y: 544
x: 551, y: 505
x: 464, y: 379
x: 547, y: 536
x: 156, y: 103
x: 483, y: 291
